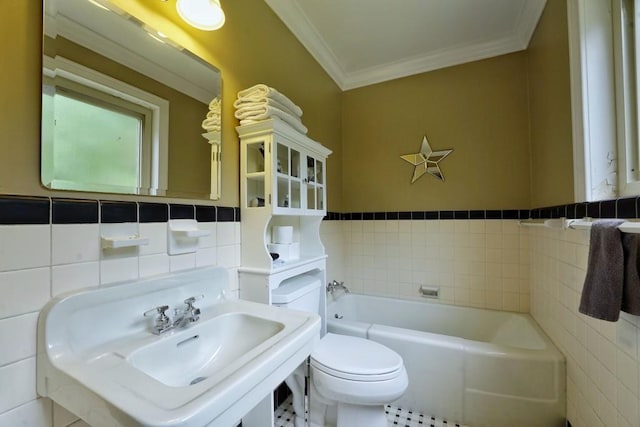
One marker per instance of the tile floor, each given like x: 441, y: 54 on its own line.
x: 396, y: 417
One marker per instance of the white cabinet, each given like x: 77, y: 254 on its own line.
x: 283, y: 183
x: 282, y: 170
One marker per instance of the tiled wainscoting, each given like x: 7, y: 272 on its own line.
x: 475, y: 262
x: 603, y: 363
x: 52, y: 246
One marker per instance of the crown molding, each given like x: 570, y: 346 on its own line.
x: 425, y: 63
x: 298, y: 23
x: 292, y: 15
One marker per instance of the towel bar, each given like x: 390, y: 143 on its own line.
x: 577, y: 224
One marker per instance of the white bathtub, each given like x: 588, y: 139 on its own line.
x: 480, y: 367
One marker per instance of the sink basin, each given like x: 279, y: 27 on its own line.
x: 205, y: 350
x: 98, y: 358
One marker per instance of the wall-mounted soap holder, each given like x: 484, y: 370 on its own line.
x: 183, y: 236
x: 121, y: 235
x: 115, y: 242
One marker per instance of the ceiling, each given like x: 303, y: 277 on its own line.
x: 362, y: 42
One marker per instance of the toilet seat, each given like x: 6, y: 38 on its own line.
x: 356, y: 359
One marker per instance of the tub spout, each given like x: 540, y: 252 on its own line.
x: 331, y: 287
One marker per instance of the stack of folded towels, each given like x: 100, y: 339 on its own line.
x: 261, y: 102
x: 213, y: 122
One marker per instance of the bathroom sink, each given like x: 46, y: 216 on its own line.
x: 98, y: 356
x: 207, y: 349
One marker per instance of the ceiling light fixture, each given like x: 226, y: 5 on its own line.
x: 202, y: 14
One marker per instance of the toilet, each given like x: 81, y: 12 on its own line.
x: 352, y: 378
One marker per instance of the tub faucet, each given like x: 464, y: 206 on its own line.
x: 331, y: 287
x: 182, y: 318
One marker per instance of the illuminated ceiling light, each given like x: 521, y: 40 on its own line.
x: 202, y: 14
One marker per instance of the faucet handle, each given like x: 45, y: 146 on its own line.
x: 162, y: 321
x: 158, y: 310
x: 191, y: 300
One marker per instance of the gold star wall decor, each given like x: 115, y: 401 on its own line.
x: 426, y: 161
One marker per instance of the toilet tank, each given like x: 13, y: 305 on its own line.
x: 299, y: 293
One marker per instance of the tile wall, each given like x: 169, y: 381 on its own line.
x: 480, y: 262
x: 477, y: 258
x: 603, y: 363
x: 51, y: 246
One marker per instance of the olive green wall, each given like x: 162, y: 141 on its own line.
x: 479, y: 109
x: 507, y: 117
x: 550, y: 109
x: 253, y: 47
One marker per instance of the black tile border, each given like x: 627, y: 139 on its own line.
x: 206, y: 213
x: 24, y: 210
x: 153, y: 212
x: 180, y: 211
x: 17, y: 210
x: 32, y: 210
x: 66, y: 211
x: 118, y: 212
x: 226, y: 214
x: 623, y: 208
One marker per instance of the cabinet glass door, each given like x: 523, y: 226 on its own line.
x: 315, y: 184
x: 255, y: 175
x: 287, y: 168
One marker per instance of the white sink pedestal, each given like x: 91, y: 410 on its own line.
x: 98, y: 358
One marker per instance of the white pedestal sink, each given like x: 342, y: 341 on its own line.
x: 98, y: 358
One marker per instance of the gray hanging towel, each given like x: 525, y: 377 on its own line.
x: 631, y: 287
x: 603, y: 285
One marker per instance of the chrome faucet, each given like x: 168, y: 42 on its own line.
x: 182, y: 317
x: 188, y: 314
x: 331, y: 287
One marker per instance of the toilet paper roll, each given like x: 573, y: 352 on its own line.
x: 282, y: 234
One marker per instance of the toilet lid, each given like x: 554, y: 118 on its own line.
x: 355, y: 358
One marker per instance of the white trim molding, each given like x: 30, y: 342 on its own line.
x: 295, y: 18
x: 593, y: 102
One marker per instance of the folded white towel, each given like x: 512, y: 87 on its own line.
x: 211, y: 125
x: 261, y: 91
x: 212, y: 121
x: 272, y: 112
x: 252, y: 103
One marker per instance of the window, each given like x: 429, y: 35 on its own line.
x: 99, y: 134
x: 604, y: 44
x: 626, y: 33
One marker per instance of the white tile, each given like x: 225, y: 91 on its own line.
x: 210, y: 240
x: 493, y: 226
x: 73, y: 243
x: 627, y: 336
x: 225, y: 233
x: 206, y: 257
x: 22, y: 377
x: 152, y: 265
x: 182, y: 262
x: 18, y: 338
x: 627, y: 371
x: 628, y: 405
x: 71, y: 277
x: 36, y: 413
x: 118, y: 270
x: 24, y: 291
x: 156, y: 232
x: 229, y: 256
x: 24, y: 246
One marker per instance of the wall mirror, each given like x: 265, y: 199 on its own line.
x: 123, y: 107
